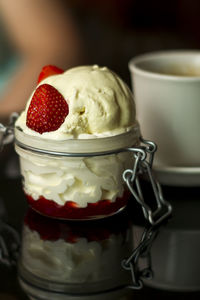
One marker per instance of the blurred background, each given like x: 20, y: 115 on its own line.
x: 117, y: 30
x: 67, y: 33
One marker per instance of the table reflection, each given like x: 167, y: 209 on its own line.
x: 174, y: 254
x: 82, y: 260
x: 79, y: 258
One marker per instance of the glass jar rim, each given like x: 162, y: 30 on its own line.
x: 79, y: 147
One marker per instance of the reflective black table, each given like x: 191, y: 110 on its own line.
x: 68, y: 260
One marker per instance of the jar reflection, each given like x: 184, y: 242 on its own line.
x: 78, y: 258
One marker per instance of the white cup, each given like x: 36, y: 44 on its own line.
x: 166, y: 86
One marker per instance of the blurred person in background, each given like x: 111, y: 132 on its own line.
x: 33, y: 33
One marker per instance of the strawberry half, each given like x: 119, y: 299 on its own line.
x: 49, y: 71
x: 47, y: 110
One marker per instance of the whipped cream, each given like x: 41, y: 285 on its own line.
x: 100, y: 104
x: 82, y: 180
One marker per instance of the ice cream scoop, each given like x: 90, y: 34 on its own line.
x: 93, y: 102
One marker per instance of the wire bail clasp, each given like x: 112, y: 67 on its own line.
x: 7, y: 132
x: 143, y: 161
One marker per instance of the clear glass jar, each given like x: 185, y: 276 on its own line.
x: 78, y: 178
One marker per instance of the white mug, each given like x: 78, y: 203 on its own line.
x: 166, y: 86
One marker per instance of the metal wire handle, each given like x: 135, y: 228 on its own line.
x: 7, y: 132
x: 143, y: 161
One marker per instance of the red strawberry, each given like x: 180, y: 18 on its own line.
x: 48, y: 71
x: 47, y: 110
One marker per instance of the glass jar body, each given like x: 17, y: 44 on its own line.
x: 74, y: 187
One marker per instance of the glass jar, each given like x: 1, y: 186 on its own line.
x: 82, y: 179
x: 76, y: 178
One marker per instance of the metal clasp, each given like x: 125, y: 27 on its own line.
x: 159, y: 211
x: 143, y: 161
x: 7, y: 132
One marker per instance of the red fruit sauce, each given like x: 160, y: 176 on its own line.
x: 71, y: 210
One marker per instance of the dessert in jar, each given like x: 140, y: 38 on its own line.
x: 69, y: 140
